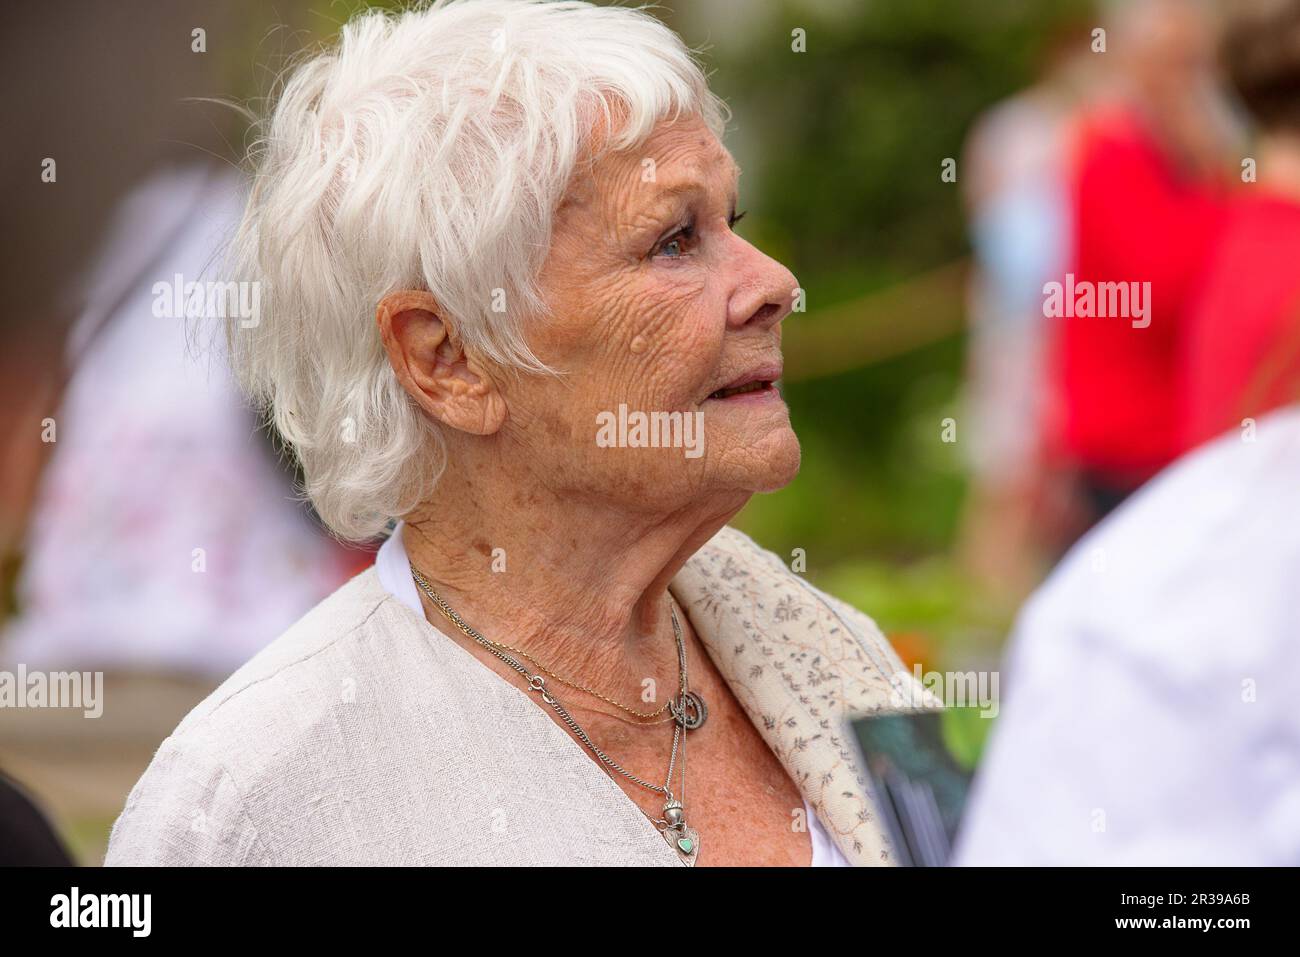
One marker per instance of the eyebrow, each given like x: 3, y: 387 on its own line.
x: 692, y: 185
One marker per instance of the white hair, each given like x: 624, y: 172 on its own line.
x: 427, y: 149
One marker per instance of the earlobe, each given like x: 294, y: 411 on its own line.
x: 429, y: 361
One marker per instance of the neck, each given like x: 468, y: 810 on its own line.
x: 581, y: 585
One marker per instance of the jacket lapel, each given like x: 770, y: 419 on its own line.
x: 801, y: 663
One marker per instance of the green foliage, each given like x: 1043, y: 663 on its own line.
x: 842, y: 147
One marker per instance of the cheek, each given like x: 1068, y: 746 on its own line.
x: 667, y: 338
x: 647, y: 336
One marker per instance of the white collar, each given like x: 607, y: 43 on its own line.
x: 394, y: 571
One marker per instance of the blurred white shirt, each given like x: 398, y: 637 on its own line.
x: 1151, y: 713
x: 164, y: 536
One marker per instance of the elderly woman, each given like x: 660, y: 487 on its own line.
x: 503, y: 305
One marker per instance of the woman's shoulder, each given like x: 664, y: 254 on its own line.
x: 309, y: 652
x: 277, y: 731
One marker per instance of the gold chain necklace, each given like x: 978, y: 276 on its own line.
x: 644, y: 715
x: 687, y: 708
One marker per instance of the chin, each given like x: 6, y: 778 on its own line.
x: 783, y: 462
x: 767, y: 464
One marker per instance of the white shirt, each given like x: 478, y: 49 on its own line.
x: 393, y: 568
x: 1151, y: 715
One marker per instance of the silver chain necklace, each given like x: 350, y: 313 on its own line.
x: 688, y: 710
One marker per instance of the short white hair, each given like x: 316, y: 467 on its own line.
x: 426, y: 149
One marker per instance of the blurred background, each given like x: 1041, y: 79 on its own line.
x: 923, y: 168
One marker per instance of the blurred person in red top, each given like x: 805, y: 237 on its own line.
x: 1145, y: 211
x: 1243, y: 343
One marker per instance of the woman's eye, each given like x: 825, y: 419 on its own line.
x: 674, y: 247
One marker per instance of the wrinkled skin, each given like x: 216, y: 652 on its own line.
x: 660, y: 330
x: 592, y: 535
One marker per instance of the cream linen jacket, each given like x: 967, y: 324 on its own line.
x: 364, y: 736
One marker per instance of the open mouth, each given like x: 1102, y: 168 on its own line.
x: 758, y: 385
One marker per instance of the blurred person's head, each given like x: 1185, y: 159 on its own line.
x: 1164, y: 47
x: 480, y: 227
x: 1165, y: 51
x: 1261, y: 57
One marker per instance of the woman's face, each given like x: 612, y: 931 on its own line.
x: 657, y: 305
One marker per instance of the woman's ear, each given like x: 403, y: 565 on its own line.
x: 431, y: 364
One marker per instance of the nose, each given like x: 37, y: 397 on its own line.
x: 765, y: 294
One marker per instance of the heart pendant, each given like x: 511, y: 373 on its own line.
x: 685, y: 841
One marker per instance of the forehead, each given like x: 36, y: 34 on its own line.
x: 686, y: 148
x: 677, y: 157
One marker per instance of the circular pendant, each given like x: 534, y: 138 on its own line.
x: 690, y: 710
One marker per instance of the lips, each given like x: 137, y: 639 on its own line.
x: 741, y: 389
x: 760, y: 379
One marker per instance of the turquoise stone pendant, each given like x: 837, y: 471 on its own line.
x: 685, y: 840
